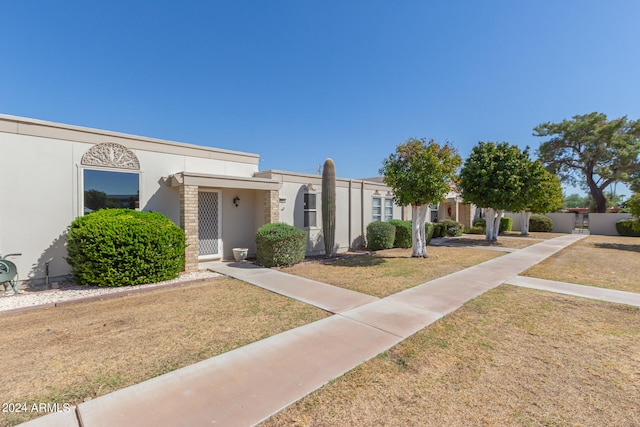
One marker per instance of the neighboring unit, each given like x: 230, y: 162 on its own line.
x: 51, y: 173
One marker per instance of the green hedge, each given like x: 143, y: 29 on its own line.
x: 117, y: 247
x: 280, y: 244
x: 380, y: 235
x: 452, y: 228
x: 439, y: 230
x: 429, y: 229
x: 403, y: 233
x: 540, y: 223
x: 628, y: 227
x: 476, y: 229
x: 506, y: 224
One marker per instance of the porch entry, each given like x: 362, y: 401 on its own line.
x: 209, y: 233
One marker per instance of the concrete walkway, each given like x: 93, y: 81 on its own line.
x: 592, y: 292
x: 245, y: 386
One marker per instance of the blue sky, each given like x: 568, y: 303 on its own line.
x: 299, y: 81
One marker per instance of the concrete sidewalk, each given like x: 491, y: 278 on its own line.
x: 591, y: 292
x: 247, y: 385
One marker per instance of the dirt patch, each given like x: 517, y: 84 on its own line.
x: 513, y: 357
x: 605, y: 261
x: 387, y: 272
x: 76, y: 352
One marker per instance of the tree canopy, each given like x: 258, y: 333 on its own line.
x: 495, y: 177
x: 592, y: 150
x: 542, y: 191
x: 421, y: 172
x: 492, y: 177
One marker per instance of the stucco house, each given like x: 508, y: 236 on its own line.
x: 52, y: 173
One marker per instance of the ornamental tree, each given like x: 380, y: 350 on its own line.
x: 493, y: 178
x: 592, y: 150
x: 542, y: 193
x: 421, y: 173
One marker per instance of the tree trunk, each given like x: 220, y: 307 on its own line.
x: 496, y: 225
x: 525, y: 216
x: 598, y: 195
x: 493, y: 224
x: 419, y: 248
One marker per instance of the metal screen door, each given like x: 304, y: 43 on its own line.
x: 209, y: 224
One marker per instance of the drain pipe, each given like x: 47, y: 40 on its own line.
x: 46, y: 274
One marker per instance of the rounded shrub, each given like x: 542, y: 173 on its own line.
x: 540, y: 223
x: 280, y: 244
x: 439, y: 230
x: 118, y: 247
x: 628, y: 227
x: 403, y: 233
x: 451, y: 228
x: 506, y: 224
x: 380, y: 235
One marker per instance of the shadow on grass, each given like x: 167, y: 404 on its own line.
x: 356, y: 261
x: 618, y: 246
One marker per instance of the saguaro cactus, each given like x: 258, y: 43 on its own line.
x: 329, y: 207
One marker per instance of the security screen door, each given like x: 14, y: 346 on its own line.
x: 209, y: 224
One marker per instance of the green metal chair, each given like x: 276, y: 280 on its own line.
x: 8, y: 273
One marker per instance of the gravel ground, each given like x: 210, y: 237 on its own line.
x: 9, y: 301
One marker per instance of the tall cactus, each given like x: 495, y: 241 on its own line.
x: 329, y: 207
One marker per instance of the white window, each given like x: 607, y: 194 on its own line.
x: 377, y: 209
x: 310, y: 212
x: 110, y: 189
x: 388, y: 209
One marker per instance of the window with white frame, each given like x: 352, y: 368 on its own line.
x: 376, y: 209
x: 388, y: 209
x: 110, y: 189
x: 310, y: 213
x: 382, y: 209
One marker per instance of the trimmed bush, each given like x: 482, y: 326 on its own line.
x: 118, y: 247
x: 506, y: 224
x: 380, y: 235
x: 628, y: 227
x: 403, y: 233
x: 428, y: 232
x: 540, y: 223
x: 280, y: 244
x: 452, y: 228
x: 476, y: 229
x: 439, y: 230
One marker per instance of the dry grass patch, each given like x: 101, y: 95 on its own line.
x: 390, y: 271
x: 512, y: 240
x: 512, y: 357
x: 604, y: 261
x: 80, y: 351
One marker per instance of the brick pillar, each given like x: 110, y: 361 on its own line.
x: 271, y: 206
x: 189, y: 223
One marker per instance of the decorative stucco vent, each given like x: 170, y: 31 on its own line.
x: 112, y: 155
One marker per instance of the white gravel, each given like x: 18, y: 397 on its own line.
x: 9, y: 301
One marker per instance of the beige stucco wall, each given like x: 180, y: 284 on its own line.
x: 354, y: 200
x: 41, y: 184
x: 241, y: 223
x: 605, y: 223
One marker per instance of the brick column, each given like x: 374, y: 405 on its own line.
x: 189, y: 223
x: 271, y: 206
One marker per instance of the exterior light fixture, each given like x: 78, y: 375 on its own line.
x: 236, y: 201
